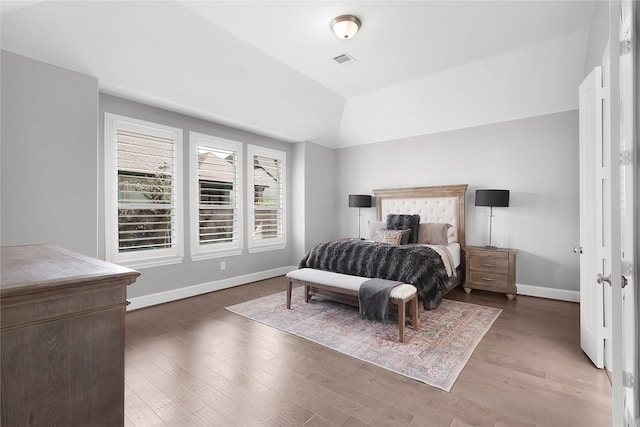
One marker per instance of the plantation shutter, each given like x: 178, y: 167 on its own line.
x: 217, y: 195
x: 146, y: 192
x: 268, y: 184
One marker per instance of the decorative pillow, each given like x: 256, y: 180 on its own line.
x: 405, y: 236
x: 432, y: 233
x: 403, y: 222
x: 392, y: 237
x: 374, y: 226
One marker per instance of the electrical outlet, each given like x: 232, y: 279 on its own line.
x: 223, y: 265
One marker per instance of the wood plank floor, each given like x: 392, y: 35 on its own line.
x: 192, y: 363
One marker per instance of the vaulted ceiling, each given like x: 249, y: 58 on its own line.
x: 267, y: 66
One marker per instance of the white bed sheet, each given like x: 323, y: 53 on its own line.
x: 450, y: 255
x: 454, y: 250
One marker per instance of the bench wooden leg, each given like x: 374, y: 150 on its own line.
x: 402, y: 314
x: 307, y: 293
x: 415, y: 314
x: 289, y: 286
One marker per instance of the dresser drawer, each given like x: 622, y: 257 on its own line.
x: 493, y: 265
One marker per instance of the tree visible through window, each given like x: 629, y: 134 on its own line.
x: 145, y: 192
x: 143, y: 212
x: 143, y: 228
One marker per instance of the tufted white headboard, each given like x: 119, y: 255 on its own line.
x: 433, y: 204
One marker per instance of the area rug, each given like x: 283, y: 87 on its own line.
x: 434, y: 355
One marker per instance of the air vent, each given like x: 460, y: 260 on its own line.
x: 344, y: 59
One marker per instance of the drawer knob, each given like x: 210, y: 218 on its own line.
x: 488, y: 279
x: 488, y: 265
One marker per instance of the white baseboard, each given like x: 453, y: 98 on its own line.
x: 551, y: 293
x: 203, y: 288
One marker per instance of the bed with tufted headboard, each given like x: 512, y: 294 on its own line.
x: 438, y: 204
x: 433, y: 267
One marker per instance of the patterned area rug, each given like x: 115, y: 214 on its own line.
x: 435, y: 355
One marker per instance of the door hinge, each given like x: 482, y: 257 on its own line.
x: 626, y: 268
x: 625, y: 47
x: 627, y: 379
x: 625, y: 158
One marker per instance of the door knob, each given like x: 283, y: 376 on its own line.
x: 577, y: 250
x: 601, y: 279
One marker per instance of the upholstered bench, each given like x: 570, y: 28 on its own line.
x: 401, y: 295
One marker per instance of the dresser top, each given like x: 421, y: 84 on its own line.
x: 42, y: 267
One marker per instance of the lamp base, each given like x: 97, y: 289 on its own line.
x: 490, y: 247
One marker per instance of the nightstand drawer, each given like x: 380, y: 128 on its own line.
x: 489, y: 279
x: 488, y: 253
x: 493, y: 265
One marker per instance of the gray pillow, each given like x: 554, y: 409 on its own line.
x: 405, y: 236
x: 403, y: 222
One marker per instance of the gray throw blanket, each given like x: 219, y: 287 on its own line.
x: 415, y: 265
x: 373, y: 297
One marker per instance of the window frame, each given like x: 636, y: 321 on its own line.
x: 260, y: 245
x: 147, y: 257
x: 218, y: 250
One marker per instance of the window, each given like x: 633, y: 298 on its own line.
x: 267, y: 183
x: 216, y: 196
x: 142, y: 186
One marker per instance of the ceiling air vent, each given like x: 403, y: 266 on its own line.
x: 344, y: 59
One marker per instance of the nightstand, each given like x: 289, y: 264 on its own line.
x: 491, y: 270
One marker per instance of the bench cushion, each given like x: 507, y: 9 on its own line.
x: 345, y: 281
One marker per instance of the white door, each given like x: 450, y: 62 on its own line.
x: 624, y: 207
x: 609, y: 214
x: 592, y: 332
x: 626, y: 348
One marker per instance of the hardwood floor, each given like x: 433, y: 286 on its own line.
x: 192, y: 363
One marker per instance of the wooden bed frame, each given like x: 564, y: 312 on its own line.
x: 443, y: 203
x: 434, y: 204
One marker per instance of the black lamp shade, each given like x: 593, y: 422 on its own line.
x: 359, y: 201
x: 493, y: 198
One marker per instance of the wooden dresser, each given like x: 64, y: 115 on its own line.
x: 491, y: 270
x: 62, y: 338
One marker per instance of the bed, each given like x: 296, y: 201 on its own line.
x: 415, y: 264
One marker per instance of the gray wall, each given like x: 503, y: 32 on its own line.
x: 314, y: 190
x: 320, y: 168
x: 189, y: 273
x: 49, y: 155
x: 535, y: 158
x: 598, y: 36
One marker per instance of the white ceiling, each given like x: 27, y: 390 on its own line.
x: 266, y: 66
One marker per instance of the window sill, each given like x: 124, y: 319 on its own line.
x: 149, y: 263
x: 265, y: 248
x: 217, y: 254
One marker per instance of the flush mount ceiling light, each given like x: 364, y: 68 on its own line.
x: 345, y: 26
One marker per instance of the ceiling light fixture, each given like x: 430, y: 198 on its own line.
x: 345, y: 26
